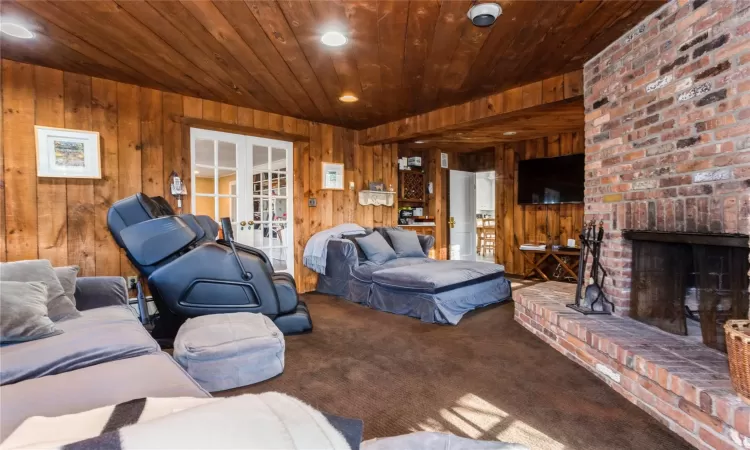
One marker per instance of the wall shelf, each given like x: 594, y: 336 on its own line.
x: 376, y: 198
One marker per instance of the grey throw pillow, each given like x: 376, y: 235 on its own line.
x: 384, y: 232
x: 376, y: 248
x: 60, y: 307
x: 353, y: 239
x: 67, y: 277
x: 406, y: 243
x: 24, y: 312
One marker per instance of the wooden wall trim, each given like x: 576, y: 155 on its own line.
x: 490, y: 108
x: 282, y: 135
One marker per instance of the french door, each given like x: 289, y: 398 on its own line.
x: 249, y: 180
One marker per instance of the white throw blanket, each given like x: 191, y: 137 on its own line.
x: 316, y: 249
x: 266, y: 421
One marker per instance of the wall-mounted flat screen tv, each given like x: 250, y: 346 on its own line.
x: 550, y: 181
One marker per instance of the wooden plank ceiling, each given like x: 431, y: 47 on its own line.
x: 402, y: 58
x: 531, y: 123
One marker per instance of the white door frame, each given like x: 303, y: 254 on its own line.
x: 244, y: 145
x: 471, y: 220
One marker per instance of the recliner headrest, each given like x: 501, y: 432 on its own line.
x: 129, y: 211
x: 163, y: 206
x: 140, y: 208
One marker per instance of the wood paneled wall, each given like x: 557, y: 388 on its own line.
x: 361, y: 165
x: 64, y: 220
x: 539, y: 224
x: 516, y: 224
x: 437, y: 202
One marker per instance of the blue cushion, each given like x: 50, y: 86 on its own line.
x: 405, y: 242
x: 376, y: 248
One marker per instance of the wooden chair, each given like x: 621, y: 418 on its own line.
x: 480, y: 233
x: 487, y: 241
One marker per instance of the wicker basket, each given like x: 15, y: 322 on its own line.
x: 738, y: 349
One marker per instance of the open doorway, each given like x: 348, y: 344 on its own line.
x: 472, y: 216
x: 485, y: 216
x: 462, y: 223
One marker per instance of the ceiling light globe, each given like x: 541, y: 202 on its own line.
x: 333, y: 39
x: 15, y: 30
x: 348, y: 98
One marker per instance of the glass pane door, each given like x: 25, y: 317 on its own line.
x: 215, y: 177
x: 270, y: 200
x: 247, y: 179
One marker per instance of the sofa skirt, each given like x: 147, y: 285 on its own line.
x: 358, y: 291
x: 446, y: 307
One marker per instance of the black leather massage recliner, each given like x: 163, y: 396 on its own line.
x: 191, y: 274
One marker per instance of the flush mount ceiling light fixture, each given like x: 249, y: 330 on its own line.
x: 15, y: 30
x: 348, y: 98
x: 510, y: 133
x: 333, y: 39
x: 484, y: 14
x: 419, y: 142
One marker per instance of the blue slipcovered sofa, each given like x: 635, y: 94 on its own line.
x: 431, y: 290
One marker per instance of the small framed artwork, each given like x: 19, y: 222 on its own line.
x: 333, y: 176
x: 377, y: 186
x: 443, y: 160
x: 67, y: 153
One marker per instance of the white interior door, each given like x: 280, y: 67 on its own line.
x: 248, y: 179
x: 462, y: 216
x: 268, y: 213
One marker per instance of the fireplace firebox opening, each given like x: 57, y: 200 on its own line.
x: 689, y: 283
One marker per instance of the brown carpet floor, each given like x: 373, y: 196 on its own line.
x: 487, y: 378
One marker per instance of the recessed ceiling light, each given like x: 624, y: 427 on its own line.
x: 333, y: 39
x: 419, y: 142
x: 509, y: 133
x: 15, y: 30
x: 348, y: 98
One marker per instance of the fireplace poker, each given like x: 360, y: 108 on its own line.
x: 584, y: 237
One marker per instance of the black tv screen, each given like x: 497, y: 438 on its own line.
x: 550, y: 181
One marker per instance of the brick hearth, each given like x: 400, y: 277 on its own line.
x: 676, y: 379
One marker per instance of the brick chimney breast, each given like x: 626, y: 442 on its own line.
x: 669, y: 146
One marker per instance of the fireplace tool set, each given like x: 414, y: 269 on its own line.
x: 591, y: 300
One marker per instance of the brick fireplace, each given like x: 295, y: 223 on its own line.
x: 668, y: 130
x: 667, y: 157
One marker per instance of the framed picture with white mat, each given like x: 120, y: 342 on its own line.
x: 65, y: 153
